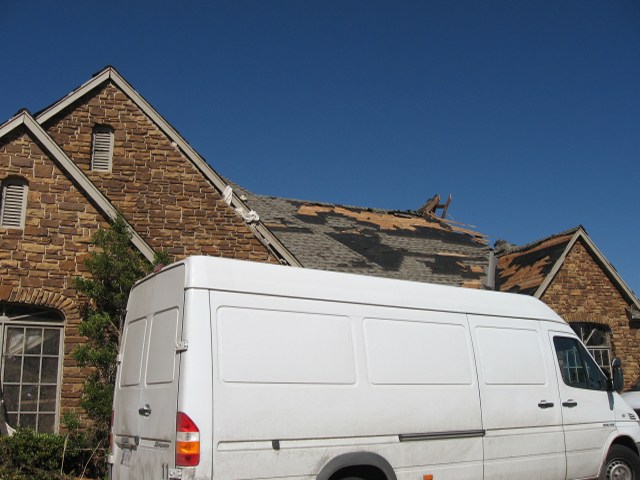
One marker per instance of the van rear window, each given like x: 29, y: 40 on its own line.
x: 132, y: 353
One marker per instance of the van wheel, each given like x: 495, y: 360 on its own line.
x: 622, y: 464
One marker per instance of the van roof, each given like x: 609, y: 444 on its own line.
x: 241, y: 276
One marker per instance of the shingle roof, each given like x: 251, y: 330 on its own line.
x: 405, y: 245
x: 523, y: 269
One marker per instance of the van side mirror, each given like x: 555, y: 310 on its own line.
x: 617, y: 381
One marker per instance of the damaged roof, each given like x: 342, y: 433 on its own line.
x: 525, y: 268
x: 530, y: 269
x: 405, y: 245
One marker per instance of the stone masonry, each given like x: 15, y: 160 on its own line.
x: 162, y: 195
x: 38, y: 263
x: 582, y: 292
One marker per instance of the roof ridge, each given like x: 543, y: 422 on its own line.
x: 503, y: 247
x: 324, y: 203
x: 459, y: 227
x: 72, y: 92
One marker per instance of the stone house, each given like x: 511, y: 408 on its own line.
x: 64, y: 173
x: 571, y: 275
x: 102, y: 149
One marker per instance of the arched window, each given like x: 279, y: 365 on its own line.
x: 597, y: 339
x: 102, y: 151
x: 13, y: 208
x: 31, y: 365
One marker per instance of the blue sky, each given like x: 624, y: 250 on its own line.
x: 528, y: 113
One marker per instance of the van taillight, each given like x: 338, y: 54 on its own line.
x: 187, y: 442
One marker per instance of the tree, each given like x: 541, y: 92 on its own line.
x: 114, y: 267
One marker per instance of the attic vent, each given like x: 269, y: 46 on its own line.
x: 14, y: 203
x: 102, y: 151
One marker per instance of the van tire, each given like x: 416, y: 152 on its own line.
x: 622, y: 464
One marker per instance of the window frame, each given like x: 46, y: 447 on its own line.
x: 585, y: 366
x: 601, y: 351
x: 31, y: 322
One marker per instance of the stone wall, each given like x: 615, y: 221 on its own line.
x: 159, y: 191
x: 582, y: 292
x: 165, y: 198
x: 38, y: 263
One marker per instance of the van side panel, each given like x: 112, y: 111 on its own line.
x: 297, y: 382
x: 521, y: 408
x: 277, y: 347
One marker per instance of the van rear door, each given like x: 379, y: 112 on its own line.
x: 145, y: 404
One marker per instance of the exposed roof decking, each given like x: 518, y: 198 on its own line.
x: 531, y: 268
x: 403, y: 245
x: 524, y: 269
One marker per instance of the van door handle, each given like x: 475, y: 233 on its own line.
x: 545, y: 404
x: 145, y: 411
x: 570, y: 403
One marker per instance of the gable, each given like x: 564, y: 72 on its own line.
x: 157, y: 189
x: 582, y: 289
x: 531, y: 269
x: 23, y: 120
x: 60, y: 218
x: 250, y: 240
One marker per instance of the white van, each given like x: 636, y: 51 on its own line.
x: 238, y: 370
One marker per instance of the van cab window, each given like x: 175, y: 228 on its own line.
x: 578, y: 368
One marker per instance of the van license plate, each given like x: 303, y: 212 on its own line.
x: 126, y: 458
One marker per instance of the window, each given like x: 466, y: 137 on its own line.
x: 102, y: 151
x: 597, y: 338
x: 14, y: 203
x: 30, y: 365
x: 578, y: 368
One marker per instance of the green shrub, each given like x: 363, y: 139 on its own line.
x: 47, y: 456
x: 42, y: 451
x: 114, y: 266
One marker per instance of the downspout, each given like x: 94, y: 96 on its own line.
x: 490, y: 278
